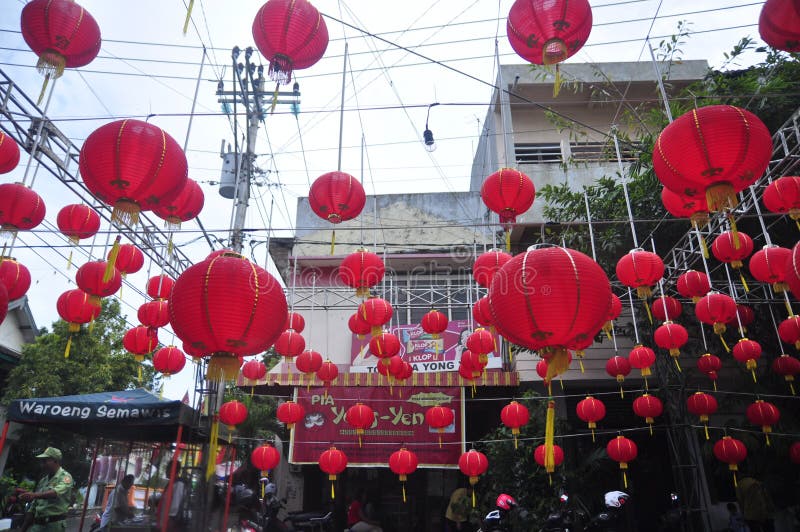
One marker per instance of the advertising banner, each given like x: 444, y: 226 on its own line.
x: 421, y: 350
x: 399, y: 419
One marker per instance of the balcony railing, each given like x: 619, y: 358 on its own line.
x: 583, y: 152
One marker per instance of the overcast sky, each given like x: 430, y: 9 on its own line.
x: 146, y: 66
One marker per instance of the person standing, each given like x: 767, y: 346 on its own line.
x: 457, y: 513
x: 52, y: 496
x: 756, y: 504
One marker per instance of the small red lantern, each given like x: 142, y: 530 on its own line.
x: 508, y: 193
x: 21, y: 209
x: 702, y: 405
x: 291, y: 35
x: 439, y: 418
x: 434, y: 323
x: 9, y: 153
x: 515, y: 415
x: 78, y: 221
x: 183, y: 207
x: 744, y: 316
x: 649, y: 407
x: 693, y: 284
x: 403, y: 463
x: 140, y: 341
x: 710, y: 365
x: 732, y: 248
x: 764, y: 414
x: 787, y: 367
x: 748, y: 352
x: 666, y: 308
x: 619, y: 368
x: 641, y: 270
x: 641, y: 358
x: 487, y: 264
x: 231, y: 414
x: 133, y: 166
x: 295, y: 321
x: 360, y: 417
x: 376, y: 312
x: 336, y: 197
x: 473, y: 362
x: 327, y: 372
x: 160, y: 286
x: 130, y: 259
x: 794, y: 452
x: 546, y: 32
x: 768, y: 265
x: 622, y: 450
x: 358, y: 326
x: 76, y: 307
x: 540, y: 455
x: 591, y: 410
x: 405, y: 372
x: 332, y: 462
x: 730, y: 451
x: 792, y: 275
x: 671, y: 336
x: 481, y: 342
x: 253, y: 371
x: 289, y: 344
x: 265, y: 458
x: 782, y: 196
x: 290, y: 413
x: 169, y: 360
x: 716, y: 309
x: 473, y: 464
x: 308, y: 362
x: 481, y: 312
x: 778, y: 25
x: 789, y: 331
x: 89, y: 278
x: 613, y: 313
x: 696, y: 208
x: 15, y: 276
x: 153, y: 314
x: 361, y: 270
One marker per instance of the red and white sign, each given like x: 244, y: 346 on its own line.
x: 399, y: 419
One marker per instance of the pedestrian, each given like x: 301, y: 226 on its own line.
x: 117, y: 507
x: 756, y: 504
x: 457, y: 514
x: 736, y: 520
x: 52, y: 497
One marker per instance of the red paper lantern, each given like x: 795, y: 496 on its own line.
x: 254, y: 371
x: 782, y: 196
x: 666, y: 308
x: 291, y: 35
x: 787, y: 367
x: 548, y: 299
x: 702, y: 405
x: 384, y: 345
x: 693, y: 284
x: 160, y: 286
x: 730, y: 451
x: 641, y: 358
x: 358, y: 326
x: 466, y: 372
x: 327, y: 372
x: 474, y: 362
x: 405, y: 372
x: 509, y: 193
x: 481, y: 312
x: 130, y: 259
x: 61, y: 33
x: 487, y: 265
x: 515, y: 415
x: 764, y: 414
x: 140, y: 341
x: 290, y: 413
x: 360, y: 417
x: 169, y: 360
x: 671, y: 336
x: 794, y: 452
x: 21, y: 209
x: 9, y: 153
x: 548, y: 32
x: 332, y: 462
x: 183, y: 207
x: 696, y: 208
x: 718, y: 150
x: 336, y: 197
x: 613, y: 313
x: 622, y: 450
x: 89, y: 278
x: 747, y: 352
x: 778, y: 24
x: 403, y: 463
x: 768, y: 265
x: 619, y: 368
x: 76, y: 308
x: 232, y: 413
x: 15, y: 276
x: 376, y: 312
x: 726, y: 249
x: 710, y: 365
x: 265, y: 458
x: 792, y: 275
x: 78, y: 221
x: 193, y: 351
x: 439, y: 418
x: 434, y: 323
x: 294, y: 321
x: 289, y: 344
x: 473, y: 464
x: 590, y: 411
x: 789, y: 331
x: 539, y: 455
x: 481, y: 341
x: 361, y: 270
x: 133, y: 166
x: 716, y: 309
x: 154, y: 314
x: 308, y: 362
x: 390, y: 367
x: 744, y: 315
x: 649, y: 407
x: 641, y: 270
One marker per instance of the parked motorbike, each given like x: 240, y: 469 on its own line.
x: 611, y: 519
x: 565, y: 518
x: 261, y: 515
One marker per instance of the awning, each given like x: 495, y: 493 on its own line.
x: 442, y: 378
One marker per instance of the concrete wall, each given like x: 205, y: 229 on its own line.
x: 11, y: 336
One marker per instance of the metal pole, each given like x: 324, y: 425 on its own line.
x: 625, y: 191
x: 88, y: 485
x: 167, y: 500
x: 38, y: 139
x: 341, y: 109
x: 589, y: 221
x: 660, y: 82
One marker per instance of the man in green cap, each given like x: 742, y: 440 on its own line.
x: 51, y: 499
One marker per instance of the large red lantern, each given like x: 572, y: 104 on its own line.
x: 332, y: 462
x: 768, y: 265
x: 289, y: 344
x: 641, y: 270
x: 744, y: 317
x: 508, y: 193
x: 290, y: 413
x: 548, y: 299
x: 130, y: 259
x: 232, y: 413
x: 434, y: 323
x: 702, y: 405
x: 473, y: 464
x: 133, y: 166
x: 515, y: 415
x: 726, y: 249
x: 649, y: 407
x: 548, y: 32
x: 710, y: 365
x: 622, y: 450
x: 716, y: 309
x: 384, y: 345
x: 487, y: 264
x: 693, y: 284
x: 590, y: 411
x: 748, y: 352
x: 481, y: 312
x: 680, y: 206
x: 183, y: 207
x: 89, y: 278
x: 763, y: 414
x: 376, y: 312
x: 78, y: 221
x: 792, y: 275
x: 265, y: 458
x: 9, y: 153
x: 227, y: 306
x: 253, y: 371
x: 439, y: 417
x: 730, y: 451
x: 76, y: 308
x: 671, y: 336
x: 169, y: 360
x: 160, y: 286
x: 403, y: 463
x: 782, y: 196
x: 295, y: 321
x: 21, y: 209
x: 15, y: 276
x: 360, y: 417
x: 291, y: 35
x: 336, y: 197
x: 789, y: 331
x: 619, y: 368
x: 642, y: 357
x: 140, y: 341
x: 540, y: 455
x: 361, y: 270
x: 779, y: 24
x: 308, y: 361
x: 717, y: 150
x: 358, y: 326
x: 327, y: 372
x: 154, y: 314
x: 787, y: 367
x: 666, y: 308
x: 473, y: 362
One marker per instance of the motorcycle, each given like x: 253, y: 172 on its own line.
x: 261, y: 515
x: 611, y: 519
x: 565, y: 519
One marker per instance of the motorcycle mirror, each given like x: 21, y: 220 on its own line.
x: 673, y: 497
x: 563, y: 497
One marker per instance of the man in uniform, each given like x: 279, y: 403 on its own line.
x: 51, y: 499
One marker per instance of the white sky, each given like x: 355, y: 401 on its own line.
x: 124, y: 82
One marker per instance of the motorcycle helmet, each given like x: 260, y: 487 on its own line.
x: 616, y: 499
x: 270, y: 489
x: 505, y: 502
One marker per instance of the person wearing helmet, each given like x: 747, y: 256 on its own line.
x: 505, y: 502
x: 616, y: 499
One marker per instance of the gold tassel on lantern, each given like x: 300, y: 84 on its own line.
x: 549, y: 437
x: 704, y: 421
x: 579, y: 355
x: 213, y: 447
x: 620, y: 380
x: 721, y: 197
x: 557, y: 361
x: 333, y: 240
x: 647, y: 308
x: 592, y: 426
x: 403, y: 483
x: 112, y: 260
x: 51, y: 65
x: 624, y: 467
x: 332, y: 478
x: 766, y: 429
x: 649, y: 422
x: 69, y: 346
x: 223, y: 367
x: 751, y: 367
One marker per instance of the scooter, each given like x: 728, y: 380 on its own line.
x: 565, y: 519
x: 611, y: 519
